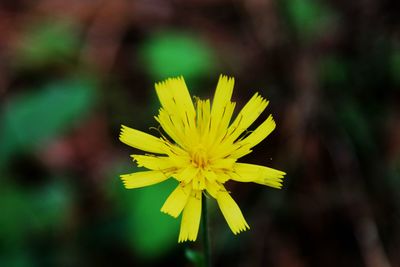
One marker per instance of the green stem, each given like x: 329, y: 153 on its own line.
x: 206, y: 237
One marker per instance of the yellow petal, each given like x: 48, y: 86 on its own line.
x: 219, y: 132
x: 141, y: 140
x: 223, y: 94
x: 141, y: 179
x: 249, y: 113
x: 175, y: 98
x: 177, y: 200
x: 155, y: 163
x: 203, y: 119
x: 222, y: 176
x: 241, y: 150
x: 224, y: 163
x: 221, y: 111
x: 172, y: 126
x: 213, y: 187
x: 186, y: 175
x: 243, y: 147
x: 260, y: 133
x: 191, y: 218
x: 231, y: 212
x: 223, y: 150
x: 244, y: 172
x: 222, y: 98
x: 211, y: 177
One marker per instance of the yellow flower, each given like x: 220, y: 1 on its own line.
x: 201, y: 153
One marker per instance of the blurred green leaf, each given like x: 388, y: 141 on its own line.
x: 149, y: 232
x: 393, y: 175
x: 309, y: 17
x: 152, y: 233
x: 395, y: 66
x: 47, y: 42
x: 169, y: 54
x: 357, y: 125
x: 195, y: 257
x: 16, y: 224
x: 333, y: 71
x: 50, y: 205
x: 28, y: 212
x: 17, y: 258
x: 31, y: 119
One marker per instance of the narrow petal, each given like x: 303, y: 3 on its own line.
x: 186, y: 175
x: 249, y: 113
x: 156, y: 163
x: 141, y: 140
x: 223, y: 94
x: 260, y: 133
x: 213, y: 185
x: 203, y: 119
x: 241, y: 150
x: 221, y: 111
x: 152, y: 162
x: 191, y: 218
x: 224, y: 163
x: 177, y: 200
x: 141, y: 179
x: 212, y: 189
x: 231, y: 212
x: 181, y: 95
x: 222, y: 98
x: 222, y: 176
x: 243, y: 147
x: 175, y: 98
x: 219, y: 132
x: 178, y: 116
x: 244, y: 172
x: 212, y: 178
x: 172, y: 126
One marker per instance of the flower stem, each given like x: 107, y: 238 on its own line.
x: 206, y: 237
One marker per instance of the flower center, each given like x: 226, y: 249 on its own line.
x: 199, y: 157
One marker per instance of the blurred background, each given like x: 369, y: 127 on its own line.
x: 72, y: 71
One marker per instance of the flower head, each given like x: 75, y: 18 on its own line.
x: 201, y: 152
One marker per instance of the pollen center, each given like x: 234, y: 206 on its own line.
x: 199, y: 157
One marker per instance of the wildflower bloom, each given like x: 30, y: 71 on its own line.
x: 201, y: 153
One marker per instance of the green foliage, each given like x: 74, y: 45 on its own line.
x: 27, y: 212
x: 46, y: 42
x: 31, y: 119
x: 356, y: 124
x: 308, y: 17
x: 149, y: 232
x: 195, y: 257
x: 395, y: 66
x: 171, y: 53
x: 333, y: 71
x: 19, y: 258
x: 152, y: 232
